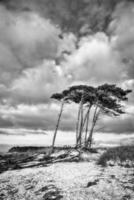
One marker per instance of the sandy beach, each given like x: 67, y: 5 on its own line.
x: 69, y: 181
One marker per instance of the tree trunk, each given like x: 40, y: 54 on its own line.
x: 89, y: 143
x: 80, y: 122
x: 57, y: 126
x: 85, y: 118
x: 90, y: 137
x: 87, y: 123
x: 92, y: 129
x: 77, y: 125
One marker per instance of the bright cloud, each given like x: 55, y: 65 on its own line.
x: 94, y: 61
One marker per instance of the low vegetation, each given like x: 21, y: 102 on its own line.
x: 121, y: 154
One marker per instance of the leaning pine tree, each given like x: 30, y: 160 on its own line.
x: 59, y: 97
x: 108, y: 101
x: 63, y: 97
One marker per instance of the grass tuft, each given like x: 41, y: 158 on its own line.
x: 117, y: 154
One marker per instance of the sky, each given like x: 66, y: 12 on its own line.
x: 48, y: 45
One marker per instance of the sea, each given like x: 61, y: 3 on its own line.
x: 5, y: 147
x: 10, y: 139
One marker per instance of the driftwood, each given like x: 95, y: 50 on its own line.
x: 67, y: 157
x: 27, y: 160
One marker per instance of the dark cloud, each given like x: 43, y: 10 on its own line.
x: 40, y: 117
x: 4, y: 122
x: 65, y: 13
x: 122, y: 28
x: 92, y: 15
x: 120, y: 125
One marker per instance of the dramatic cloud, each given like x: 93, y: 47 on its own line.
x: 94, y: 61
x: 25, y: 40
x: 39, y: 116
x: 80, y: 17
x: 38, y: 84
x: 122, y: 27
x: 46, y: 46
x: 5, y: 122
x: 119, y: 125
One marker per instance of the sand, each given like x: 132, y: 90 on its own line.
x: 68, y: 181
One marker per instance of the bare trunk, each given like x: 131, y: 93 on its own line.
x: 57, y: 126
x: 77, y: 125
x: 90, y: 137
x: 87, y: 124
x: 85, y: 118
x: 94, y: 124
x: 89, y: 143
x: 81, y: 123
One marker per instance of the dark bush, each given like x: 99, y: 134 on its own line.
x: 121, y: 153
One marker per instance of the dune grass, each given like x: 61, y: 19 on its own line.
x: 121, y: 154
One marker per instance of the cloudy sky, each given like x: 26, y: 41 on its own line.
x: 48, y: 45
